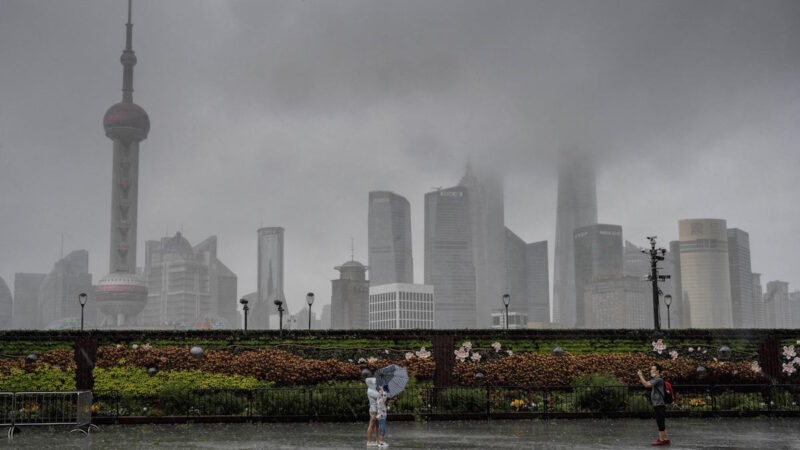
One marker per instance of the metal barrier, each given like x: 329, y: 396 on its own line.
x: 46, y: 408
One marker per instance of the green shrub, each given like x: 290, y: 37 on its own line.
x: 592, y: 393
x: 43, y: 378
x: 461, y: 400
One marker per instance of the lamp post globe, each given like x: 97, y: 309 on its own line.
x: 245, y: 308
x: 82, y: 300
x: 310, y: 301
x: 668, y: 303
x: 279, y: 304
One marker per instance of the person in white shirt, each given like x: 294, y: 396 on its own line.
x: 383, y: 397
x: 372, y: 395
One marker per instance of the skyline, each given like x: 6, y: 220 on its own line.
x: 57, y: 178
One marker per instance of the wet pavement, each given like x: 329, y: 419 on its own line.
x: 726, y: 433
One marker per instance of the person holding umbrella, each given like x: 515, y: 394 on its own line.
x: 372, y: 395
x: 381, y: 415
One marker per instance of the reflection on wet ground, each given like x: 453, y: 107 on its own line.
x: 727, y: 433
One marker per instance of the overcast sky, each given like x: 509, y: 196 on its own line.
x: 286, y: 113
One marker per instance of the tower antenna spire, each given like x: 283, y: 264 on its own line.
x: 128, y: 60
x: 352, y: 250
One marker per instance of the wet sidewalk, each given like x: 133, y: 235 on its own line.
x: 725, y: 433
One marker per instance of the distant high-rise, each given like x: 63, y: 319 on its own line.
x: 389, y: 229
x: 350, y: 297
x: 26, y: 300
x: 776, y: 304
x: 122, y: 294
x: 6, y: 306
x: 679, y: 311
x: 487, y: 232
x: 516, y: 278
x: 58, y: 293
x: 270, y: 278
x: 449, y: 265
x: 705, y: 272
x: 188, y: 286
x: 401, y: 306
x: 598, y: 254
x: 758, y: 301
x: 577, y: 207
x: 325, y: 317
x: 792, y: 319
x: 742, y: 300
x: 537, y: 280
x: 618, y: 301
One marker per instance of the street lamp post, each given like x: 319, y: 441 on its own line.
x: 245, y: 308
x: 506, y: 301
x: 279, y: 304
x: 82, y: 301
x: 668, y: 302
x: 310, y: 301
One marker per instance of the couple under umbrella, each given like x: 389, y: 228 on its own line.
x: 387, y: 382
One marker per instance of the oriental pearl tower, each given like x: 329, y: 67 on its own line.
x: 122, y: 294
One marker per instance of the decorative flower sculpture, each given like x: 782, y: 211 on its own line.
x: 789, y: 352
x: 423, y: 353
x: 409, y: 355
x: 476, y: 357
x: 496, y: 346
x: 673, y: 354
x: 461, y: 354
x: 788, y: 368
x: 659, y: 346
x: 467, y: 345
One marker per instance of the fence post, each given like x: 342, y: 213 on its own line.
x: 85, y: 357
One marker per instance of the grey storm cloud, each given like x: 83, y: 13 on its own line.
x: 287, y: 113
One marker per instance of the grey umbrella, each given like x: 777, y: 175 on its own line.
x: 394, y: 376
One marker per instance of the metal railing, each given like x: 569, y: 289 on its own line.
x: 46, y: 408
x: 330, y: 403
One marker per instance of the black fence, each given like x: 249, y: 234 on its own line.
x: 428, y: 403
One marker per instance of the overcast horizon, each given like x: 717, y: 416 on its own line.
x: 287, y: 113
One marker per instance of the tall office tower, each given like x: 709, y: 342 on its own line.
x: 26, y: 300
x: 487, y: 230
x: 619, y: 301
x: 679, y: 310
x: 325, y: 317
x: 58, y: 294
x: 270, y: 279
x: 776, y: 304
x: 758, y: 302
x: 598, y: 254
x: 449, y: 266
x: 577, y: 207
x: 793, y: 317
x: 122, y: 294
x: 188, y: 287
x: 350, y: 297
x: 635, y: 263
x: 6, y: 306
x: 742, y: 301
x: 389, y: 230
x: 537, y: 279
x: 516, y: 273
x: 401, y: 306
x: 705, y: 272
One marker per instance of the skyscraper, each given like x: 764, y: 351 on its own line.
x: 121, y: 295
x: 679, y: 310
x: 742, y: 300
x: 537, y: 279
x: 270, y: 277
x: 705, y: 272
x: 6, y: 306
x: 350, y: 297
x: 58, y: 293
x: 598, y: 254
x: 487, y: 232
x: 776, y: 304
x: 26, y: 300
x: 389, y: 230
x: 401, y: 306
x: 188, y: 286
x: 758, y: 301
x: 577, y: 207
x: 449, y: 265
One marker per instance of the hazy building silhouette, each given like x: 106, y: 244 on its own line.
x: 537, y: 279
x: 705, y: 272
x: 776, y: 305
x: 389, y: 239
x: 401, y: 306
x: 350, y: 297
x: 618, y: 301
x: 598, y: 254
x: 122, y: 295
x: 270, y: 279
x: 487, y: 231
x: 26, y: 300
x: 742, y: 300
x: 758, y: 301
x: 325, y: 317
x: 188, y: 287
x: 576, y: 207
x: 59, y: 291
x: 449, y: 265
x: 516, y: 277
x: 6, y: 306
x: 792, y: 319
x: 679, y: 310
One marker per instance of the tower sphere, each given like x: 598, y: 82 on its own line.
x: 127, y: 121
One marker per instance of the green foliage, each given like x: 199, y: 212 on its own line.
x: 131, y: 381
x: 599, y: 392
x: 461, y: 400
x: 43, y: 378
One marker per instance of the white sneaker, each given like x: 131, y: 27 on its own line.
x: 372, y: 444
x: 383, y: 444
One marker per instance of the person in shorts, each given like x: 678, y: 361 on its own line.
x: 372, y: 395
x: 658, y: 391
x: 383, y: 398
